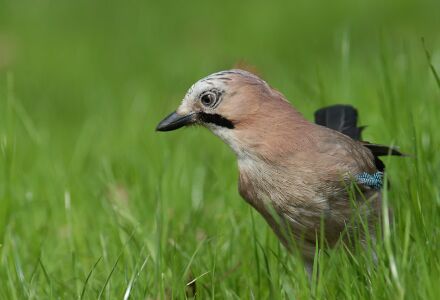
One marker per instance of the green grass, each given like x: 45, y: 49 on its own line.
x: 95, y: 204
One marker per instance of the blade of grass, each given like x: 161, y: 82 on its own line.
x: 83, y: 291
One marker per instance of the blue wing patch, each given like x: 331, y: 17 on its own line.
x: 374, y: 180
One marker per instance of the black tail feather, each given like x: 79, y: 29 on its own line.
x: 342, y: 118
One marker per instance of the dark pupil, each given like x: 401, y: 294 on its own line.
x: 207, y: 99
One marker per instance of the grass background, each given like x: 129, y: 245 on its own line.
x: 95, y: 204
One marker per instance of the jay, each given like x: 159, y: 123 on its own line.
x: 297, y: 174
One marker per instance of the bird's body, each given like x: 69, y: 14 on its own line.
x: 297, y: 174
x: 302, y: 189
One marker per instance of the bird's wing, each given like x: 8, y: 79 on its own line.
x: 343, y: 118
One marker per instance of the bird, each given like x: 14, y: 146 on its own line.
x: 299, y: 175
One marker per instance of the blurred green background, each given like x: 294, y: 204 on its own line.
x: 95, y: 204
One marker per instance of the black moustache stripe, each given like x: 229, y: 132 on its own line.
x: 216, y: 119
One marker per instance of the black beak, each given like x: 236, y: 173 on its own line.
x: 175, y: 121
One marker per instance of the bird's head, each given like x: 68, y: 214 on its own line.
x: 236, y: 105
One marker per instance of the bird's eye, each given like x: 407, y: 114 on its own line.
x: 208, y: 99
